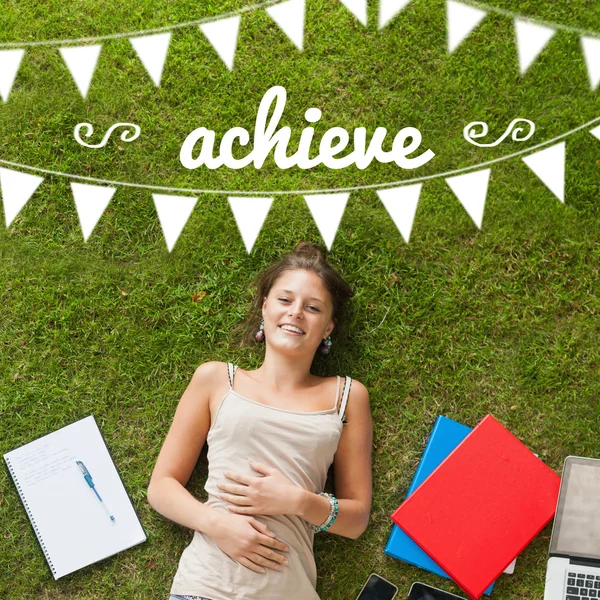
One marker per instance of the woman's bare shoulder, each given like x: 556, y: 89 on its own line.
x: 358, y: 397
x: 211, y: 372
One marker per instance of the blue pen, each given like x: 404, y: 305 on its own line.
x: 90, y: 482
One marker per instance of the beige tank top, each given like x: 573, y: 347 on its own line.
x: 299, y: 444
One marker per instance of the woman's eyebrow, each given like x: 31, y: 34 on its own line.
x: 313, y: 298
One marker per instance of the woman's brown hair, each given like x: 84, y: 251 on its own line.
x: 309, y: 257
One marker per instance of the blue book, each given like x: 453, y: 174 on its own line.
x: 445, y: 436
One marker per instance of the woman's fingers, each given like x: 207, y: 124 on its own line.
x: 273, y: 556
x: 239, y: 500
x: 239, y: 477
x: 273, y: 543
x: 233, y: 488
x: 250, y: 565
x: 258, y: 559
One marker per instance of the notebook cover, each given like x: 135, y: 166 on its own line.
x: 481, y: 507
x: 445, y: 436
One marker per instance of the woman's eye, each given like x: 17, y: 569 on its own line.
x: 284, y: 299
x: 314, y: 308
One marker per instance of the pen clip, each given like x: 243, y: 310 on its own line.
x: 85, y: 473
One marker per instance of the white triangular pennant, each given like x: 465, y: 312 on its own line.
x: 10, y: 60
x: 471, y: 190
x: 223, y: 36
x: 91, y: 202
x: 531, y: 40
x: 327, y: 211
x: 173, y: 214
x: 388, y: 9
x: 152, y: 50
x: 596, y: 132
x: 250, y: 214
x: 591, y: 52
x: 549, y: 166
x: 401, y: 204
x: 16, y: 188
x: 358, y: 8
x: 81, y: 61
x: 462, y: 19
x: 289, y: 16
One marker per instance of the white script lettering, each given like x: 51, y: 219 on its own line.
x: 267, y: 138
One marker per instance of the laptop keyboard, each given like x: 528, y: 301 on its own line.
x: 580, y: 585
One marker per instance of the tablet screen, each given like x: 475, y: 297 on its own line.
x: 576, y: 530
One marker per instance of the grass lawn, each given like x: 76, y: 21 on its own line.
x: 461, y: 322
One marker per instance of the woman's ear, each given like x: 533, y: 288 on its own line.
x: 330, y: 328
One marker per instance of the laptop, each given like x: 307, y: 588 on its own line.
x: 574, y: 564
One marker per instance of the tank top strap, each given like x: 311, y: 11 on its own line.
x: 346, y: 393
x: 231, y: 373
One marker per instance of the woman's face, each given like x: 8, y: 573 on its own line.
x: 297, y: 312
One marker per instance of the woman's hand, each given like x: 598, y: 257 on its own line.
x: 271, y: 494
x: 249, y: 542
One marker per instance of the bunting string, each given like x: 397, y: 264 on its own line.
x: 81, y: 54
x: 514, y: 15
x: 372, y: 186
x: 469, y: 185
x: 114, y: 36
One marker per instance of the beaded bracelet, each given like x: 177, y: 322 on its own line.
x: 333, y: 513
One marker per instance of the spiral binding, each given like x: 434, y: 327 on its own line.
x: 30, y: 515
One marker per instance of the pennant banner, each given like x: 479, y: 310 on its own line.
x: 462, y: 19
x: 10, y: 60
x: 289, y: 16
x: 358, y: 8
x: 401, y: 204
x: 471, y: 190
x: 16, y: 188
x: 549, y: 166
x: 388, y: 9
x: 91, y: 202
x: 250, y: 214
x: 81, y: 62
x: 531, y: 40
x: 223, y: 36
x: 173, y: 214
x: 327, y: 211
x: 591, y: 52
x: 152, y: 50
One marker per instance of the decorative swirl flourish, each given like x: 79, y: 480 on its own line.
x: 470, y: 133
x: 127, y: 136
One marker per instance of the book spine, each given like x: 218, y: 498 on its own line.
x: 416, y: 478
x: 30, y: 515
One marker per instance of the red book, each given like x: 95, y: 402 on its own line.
x: 481, y: 507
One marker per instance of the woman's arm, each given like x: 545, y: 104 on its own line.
x: 352, y: 472
x: 245, y: 539
x: 180, y: 452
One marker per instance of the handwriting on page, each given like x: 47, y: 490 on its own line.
x: 44, y: 462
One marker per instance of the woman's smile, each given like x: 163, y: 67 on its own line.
x: 291, y: 329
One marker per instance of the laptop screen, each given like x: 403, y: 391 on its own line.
x: 576, y: 530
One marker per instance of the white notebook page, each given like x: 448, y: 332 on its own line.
x: 73, y: 526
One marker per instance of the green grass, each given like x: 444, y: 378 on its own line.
x: 461, y: 322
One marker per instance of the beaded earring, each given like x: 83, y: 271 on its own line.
x: 325, y: 345
x: 260, y: 334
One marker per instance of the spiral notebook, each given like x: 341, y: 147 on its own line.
x: 74, y: 497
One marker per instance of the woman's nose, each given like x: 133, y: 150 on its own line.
x: 295, y: 309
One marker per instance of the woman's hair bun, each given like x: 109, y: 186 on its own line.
x: 310, y: 250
